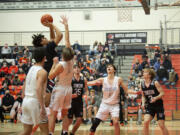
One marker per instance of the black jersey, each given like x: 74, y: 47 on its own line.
x: 150, y: 92
x: 50, y: 54
x: 78, y: 88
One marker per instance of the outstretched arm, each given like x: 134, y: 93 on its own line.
x: 128, y: 91
x: 64, y: 21
x: 95, y: 82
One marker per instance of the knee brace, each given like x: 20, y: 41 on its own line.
x: 95, y: 124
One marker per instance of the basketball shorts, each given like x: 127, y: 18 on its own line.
x: 105, y: 109
x: 75, y: 110
x: 61, y: 98
x: 50, y: 86
x: 31, y: 112
x: 152, y: 110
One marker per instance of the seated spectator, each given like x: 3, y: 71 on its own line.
x: 157, y: 64
x: 3, y: 89
x: 107, y: 54
x: 100, y: 48
x: 93, y: 49
x: 144, y: 62
x: 7, y: 102
x: 94, y: 64
x: 21, y: 71
x: 13, y: 68
x: 85, y: 68
x: 76, y: 47
x: 16, y: 81
x: 15, y: 50
x: 28, y: 53
x: 15, y: 109
x: 132, y: 97
x: 173, y: 78
x: 93, y: 104
x: 23, y: 60
x: 102, y: 68
x: 167, y: 64
x: 162, y: 74
x: 136, y: 68
x: 5, y: 61
x: 6, y: 81
x: 4, y: 70
x: 26, y: 67
x: 6, y: 51
x: 131, y: 82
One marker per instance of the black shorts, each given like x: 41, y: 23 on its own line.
x: 152, y: 110
x: 50, y: 86
x: 76, y: 110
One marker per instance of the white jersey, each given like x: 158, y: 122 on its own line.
x: 111, y: 93
x: 30, y: 88
x: 65, y: 78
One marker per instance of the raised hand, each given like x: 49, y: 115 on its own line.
x: 64, y: 20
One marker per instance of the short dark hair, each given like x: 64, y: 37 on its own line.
x: 112, y: 66
x: 67, y: 53
x: 37, y: 40
x: 39, y: 54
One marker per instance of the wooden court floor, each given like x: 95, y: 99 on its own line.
x: 103, y: 129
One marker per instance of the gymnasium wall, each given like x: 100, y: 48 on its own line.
x: 18, y: 26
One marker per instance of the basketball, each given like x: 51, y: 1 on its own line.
x: 46, y: 18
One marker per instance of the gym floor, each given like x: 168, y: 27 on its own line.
x: 103, y: 129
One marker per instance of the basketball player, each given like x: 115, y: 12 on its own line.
x: 110, y: 100
x: 152, y: 101
x: 33, y: 106
x: 63, y: 71
x: 39, y: 40
x: 79, y: 84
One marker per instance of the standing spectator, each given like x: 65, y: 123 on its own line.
x: 173, y: 78
x: 15, y: 51
x: 6, y: 51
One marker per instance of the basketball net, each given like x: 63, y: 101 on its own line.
x: 123, y: 14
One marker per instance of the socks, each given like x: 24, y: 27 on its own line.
x: 64, y: 133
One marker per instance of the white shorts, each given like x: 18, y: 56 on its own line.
x: 105, y: 110
x: 31, y: 112
x: 61, y: 98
